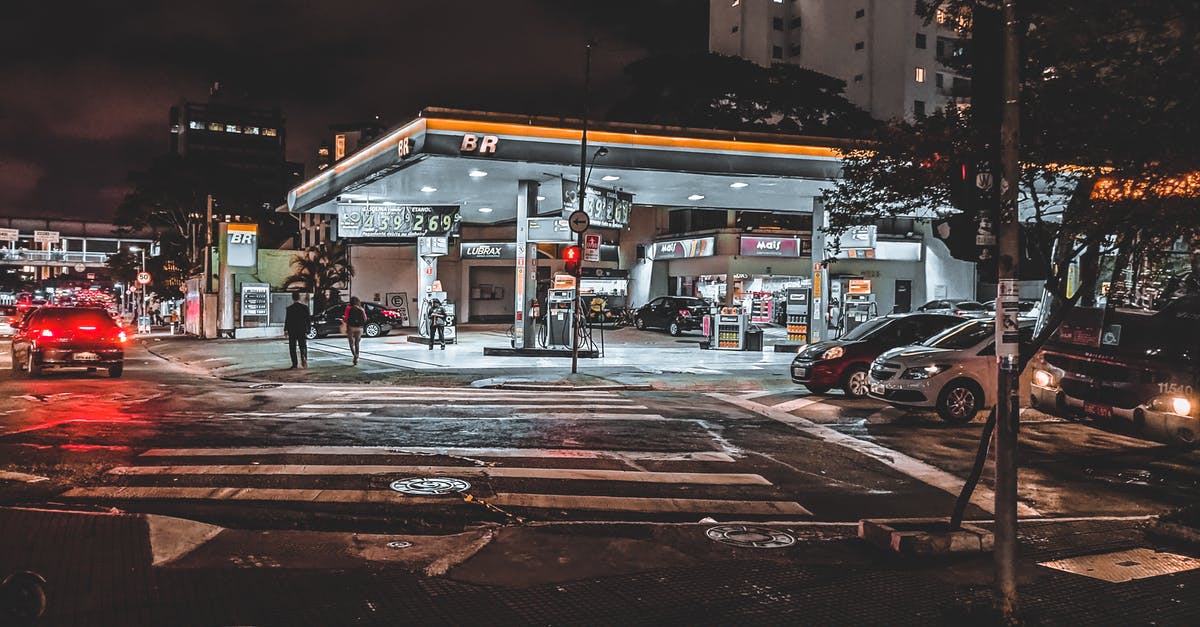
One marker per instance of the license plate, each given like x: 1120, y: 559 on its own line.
x: 87, y: 357
x: 799, y: 373
x: 1099, y: 411
x: 877, y: 388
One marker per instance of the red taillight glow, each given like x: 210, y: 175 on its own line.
x: 121, y: 337
x: 87, y: 328
x: 388, y: 313
x: 685, y: 313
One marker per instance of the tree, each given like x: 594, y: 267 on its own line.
x: 320, y: 270
x: 729, y: 93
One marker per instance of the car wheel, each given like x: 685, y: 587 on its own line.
x: 312, y: 333
x: 116, y: 371
x: 959, y: 402
x: 818, y: 389
x: 854, y: 382
x: 373, y: 330
x: 674, y: 329
x: 31, y: 365
x: 639, y: 323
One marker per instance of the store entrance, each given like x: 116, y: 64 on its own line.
x: 761, y: 295
x: 490, y: 299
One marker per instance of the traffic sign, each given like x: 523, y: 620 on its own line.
x: 579, y: 221
x: 143, y: 278
x: 45, y: 237
x: 9, y: 235
x: 591, y: 247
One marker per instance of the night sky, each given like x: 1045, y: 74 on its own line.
x: 85, y: 86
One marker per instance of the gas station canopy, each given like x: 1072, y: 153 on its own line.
x: 474, y: 160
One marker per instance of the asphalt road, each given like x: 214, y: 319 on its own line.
x: 169, y: 438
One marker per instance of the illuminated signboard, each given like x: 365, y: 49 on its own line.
x: 241, y: 245
x: 396, y: 220
x: 488, y: 250
x: 683, y: 248
x: 607, y: 208
x: 774, y: 246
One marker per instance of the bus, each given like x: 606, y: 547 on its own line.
x: 1133, y: 369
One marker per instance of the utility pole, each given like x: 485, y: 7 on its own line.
x: 583, y: 162
x: 1007, y: 334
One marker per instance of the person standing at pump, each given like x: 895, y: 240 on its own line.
x: 355, y: 318
x: 437, y: 323
x: 296, y: 324
x: 835, y: 318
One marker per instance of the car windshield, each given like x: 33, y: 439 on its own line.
x: 962, y: 336
x: 866, y: 329
x: 969, y: 306
x: 72, y: 317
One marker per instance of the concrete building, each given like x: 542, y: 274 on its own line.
x: 890, y: 59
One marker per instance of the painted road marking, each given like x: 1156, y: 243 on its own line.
x: 467, y: 406
x: 693, y: 456
x: 564, y: 474
x: 457, y: 396
x: 800, y: 403
x: 545, y: 501
x: 419, y: 391
x: 915, y: 468
x: 516, y: 416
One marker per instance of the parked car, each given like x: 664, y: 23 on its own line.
x: 956, y: 306
x: 9, y: 319
x: 953, y: 372
x: 380, y: 320
x: 843, y: 363
x: 676, y: 314
x: 1026, y: 308
x: 69, y: 337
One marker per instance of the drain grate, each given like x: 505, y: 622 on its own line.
x: 1125, y: 566
x: 430, y: 486
x: 399, y: 544
x: 751, y: 537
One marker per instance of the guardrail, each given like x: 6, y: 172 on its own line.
x: 51, y: 258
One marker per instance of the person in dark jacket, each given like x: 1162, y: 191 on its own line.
x: 296, y: 325
x: 355, y: 319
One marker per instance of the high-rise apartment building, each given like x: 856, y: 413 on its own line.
x: 891, y: 60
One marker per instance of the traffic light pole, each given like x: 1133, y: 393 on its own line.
x: 583, y: 161
x: 1007, y: 334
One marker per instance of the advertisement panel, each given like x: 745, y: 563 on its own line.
x: 858, y: 238
x: 398, y: 221
x: 241, y: 245
x: 488, y: 250
x: 9, y: 235
x: 792, y: 247
x: 683, y: 248
x: 607, y: 208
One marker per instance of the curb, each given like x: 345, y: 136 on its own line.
x: 549, y: 387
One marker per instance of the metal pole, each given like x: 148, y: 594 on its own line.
x: 1007, y: 336
x: 587, y: 76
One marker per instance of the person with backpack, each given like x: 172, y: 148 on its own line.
x: 355, y: 318
x: 437, y: 323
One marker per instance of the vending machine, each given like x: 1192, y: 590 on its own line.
x: 560, y: 316
x: 798, y: 305
x: 731, y: 326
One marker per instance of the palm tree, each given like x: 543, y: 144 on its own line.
x: 321, y: 269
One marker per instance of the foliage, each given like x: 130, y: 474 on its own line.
x: 123, y: 266
x: 729, y: 93
x: 320, y: 270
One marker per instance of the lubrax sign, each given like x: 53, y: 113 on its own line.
x: 488, y: 250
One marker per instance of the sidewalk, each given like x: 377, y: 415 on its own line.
x: 100, y: 572
x: 630, y: 357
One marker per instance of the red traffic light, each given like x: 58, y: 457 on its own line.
x: 572, y: 259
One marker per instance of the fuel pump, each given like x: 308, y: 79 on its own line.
x: 560, y: 316
x: 860, y: 303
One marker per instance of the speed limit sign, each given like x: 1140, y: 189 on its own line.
x: 143, y: 278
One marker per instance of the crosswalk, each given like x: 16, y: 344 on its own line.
x: 638, y: 479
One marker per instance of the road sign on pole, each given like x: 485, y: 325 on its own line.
x: 591, y: 247
x: 45, y: 237
x: 143, y: 278
x: 579, y: 221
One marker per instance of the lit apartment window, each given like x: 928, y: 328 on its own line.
x: 778, y: 1
x: 920, y: 75
x: 919, y: 108
x: 269, y: 132
x: 232, y: 128
x: 859, y: 45
x: 776, y: 52
x: 921, y: 40
x: 251, y: 130
x: 860, y: 13
x: 939, y: 79
x: 193, y: 124
x: 735, y: 3
x: 777, y: 23
x: 216, y: 126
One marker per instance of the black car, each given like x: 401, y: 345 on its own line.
x: 380, y: 321
x: 69, y: 337
x: 676, y: 314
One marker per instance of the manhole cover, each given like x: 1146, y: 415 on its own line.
x: 400, y: 544
x: 430, y: 485
x: 265, y: 386
x: 751, y: 537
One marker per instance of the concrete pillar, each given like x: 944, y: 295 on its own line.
x: 818, y: 326
x: 525, y: 288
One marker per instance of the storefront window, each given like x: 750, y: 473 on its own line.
x: 689, y: 220
x: 762, y: 220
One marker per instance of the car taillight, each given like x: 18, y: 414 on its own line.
x: 46, y: 333
x: 388, y: 313
x: 121, y: 337
x: 685, y: 313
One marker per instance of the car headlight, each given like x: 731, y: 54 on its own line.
x: 1043, y: 379
x: 833, y: 353
x: 1181, y: 406
x: 924, y: 372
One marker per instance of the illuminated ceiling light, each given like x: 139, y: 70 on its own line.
x: 476, y: 174
x: 610, y: 177
x: 541, y: 198
x: 428, y: 189
x: 695, y: 197
x: 485, y: 210
x: 739, y: 185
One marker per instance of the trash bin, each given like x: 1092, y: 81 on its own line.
x: 754, y: 339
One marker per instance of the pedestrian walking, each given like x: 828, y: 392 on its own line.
x: 296, y: 324
x: 354, y: 318
x: 437, y: 323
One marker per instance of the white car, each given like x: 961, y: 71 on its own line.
x: 953, y: 372
x: 9, y: 317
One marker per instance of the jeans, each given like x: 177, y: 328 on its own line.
x: 439, y: 332
x: 354, y: 336
x: 302, y: 342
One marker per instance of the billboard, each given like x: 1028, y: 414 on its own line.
x: 396, y: 221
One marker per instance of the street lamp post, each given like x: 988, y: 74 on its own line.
x: 141, y: 286
x: 583, y: 163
